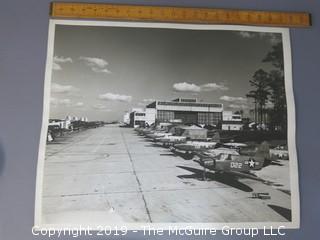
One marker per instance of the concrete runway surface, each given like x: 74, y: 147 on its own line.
x: 112, y: 173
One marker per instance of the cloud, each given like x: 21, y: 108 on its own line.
x: 56, y: 66
x: 101, y: 107
x: 241, y: 106
x: 246, y: 34
x: 233, y: 99
x: 273, y: 38
x: 186, y: 87
x: 97, y: 65
x: 62, y: 59
x: 213, y: 86
x: 115, y: 97
x: 58, y: 88
x: 58, y: 60
x: 58, y: 101
x: 99, y: 70
x: 65, y: 102
x: 191, y: 87
x: 79, y: 104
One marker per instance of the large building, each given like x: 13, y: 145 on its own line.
x: 67, y: 122
x: 187, y: 111
x: 231, y: 121
x: 137, y: 117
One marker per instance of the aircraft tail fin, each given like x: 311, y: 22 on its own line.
x: 262, y: 154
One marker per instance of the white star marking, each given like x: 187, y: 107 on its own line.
x: 251, y: 163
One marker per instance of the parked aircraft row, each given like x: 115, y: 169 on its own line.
x: 215, y: 154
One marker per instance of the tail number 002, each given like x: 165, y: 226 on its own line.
x: 235, y: 165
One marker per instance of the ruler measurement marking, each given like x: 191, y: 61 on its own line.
x: 179, y: 14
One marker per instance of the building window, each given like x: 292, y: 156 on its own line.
x: 165, y: 116
x: 216, y: 118
x: 203, y: 118
x: 191, y: 104
x: 209, y: 118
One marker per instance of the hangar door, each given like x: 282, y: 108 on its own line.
x: 187, y: 117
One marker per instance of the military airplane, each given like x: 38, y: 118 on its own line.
x: 193, y: 146
x: 142, y: 131
x: 235, y: 145
x: 171, y: 140
x: 158, y: 134
x: 221, y: 150
x: 235, y: 164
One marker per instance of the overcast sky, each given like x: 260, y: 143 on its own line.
x: 101, y: 72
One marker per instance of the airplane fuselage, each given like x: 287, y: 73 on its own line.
x: 228, y: 163
x: 158, y: 134
x: 191, y: 146
x: 171, y: 139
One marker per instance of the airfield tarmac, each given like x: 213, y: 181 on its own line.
x: 112, y: 172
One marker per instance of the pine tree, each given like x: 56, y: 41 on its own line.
x: 260, y: 81
x: 277, y: 86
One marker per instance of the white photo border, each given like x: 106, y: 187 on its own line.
x: 294, y: 177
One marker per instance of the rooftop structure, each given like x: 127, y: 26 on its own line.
x: 189, y: 111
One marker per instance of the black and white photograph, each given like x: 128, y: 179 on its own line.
x: 167, y: 124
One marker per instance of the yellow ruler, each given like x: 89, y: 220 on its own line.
x: 178, y: 14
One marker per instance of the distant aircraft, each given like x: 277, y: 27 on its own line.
x: 193, y: 146
x: 180, y: 134
x: 235, y: 164
x: 235, y: 145
x: 158, y: 134
x: 143, y: 131
x: 221, y: 150
x: 171, y: 140
x: 280, y: 151
x: 209, y: 143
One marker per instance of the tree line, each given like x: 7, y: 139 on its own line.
x: 269, y: 87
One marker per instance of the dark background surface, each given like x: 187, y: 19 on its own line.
x: 23, y: 43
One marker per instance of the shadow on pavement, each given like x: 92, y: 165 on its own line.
x: 221, y: 178
x: 284, y: 212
